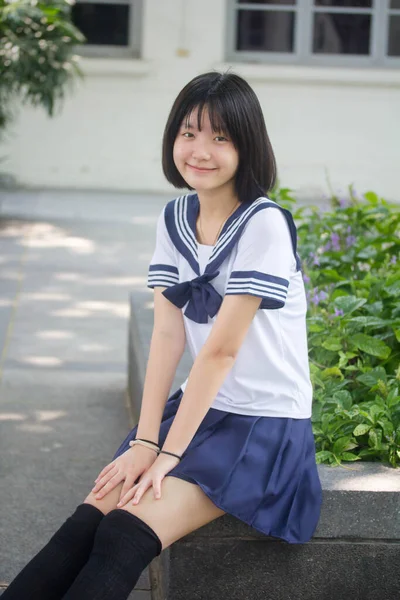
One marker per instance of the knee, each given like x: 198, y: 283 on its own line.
x: 122, y: 532
x: 108, y: 502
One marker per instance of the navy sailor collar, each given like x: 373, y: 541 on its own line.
x: 180, y: 219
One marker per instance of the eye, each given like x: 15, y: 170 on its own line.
x: 221, y: 138
x: 187, y: 134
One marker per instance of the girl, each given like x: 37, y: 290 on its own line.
x: 236, y: 437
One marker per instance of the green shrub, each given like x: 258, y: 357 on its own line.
x: 351, y: 269
x: 37, y: 61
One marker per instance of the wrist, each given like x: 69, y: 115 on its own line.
x: 146, y: 444
x: 147, y: 434
x: 163, y: 452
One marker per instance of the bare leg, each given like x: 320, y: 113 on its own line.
x: 128, y: 539
x: 182, y: 508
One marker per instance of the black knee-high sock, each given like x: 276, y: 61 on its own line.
x: 51, y: 572
x: 123, y: 547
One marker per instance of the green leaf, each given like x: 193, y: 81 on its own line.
x: 387, y: 427
x: 375, y: 411
x: 322, y: 456
x: 368, y: 252
x: 393, y: 289
x: 393, y: 397
x: 375, y: 308
x: 315, y: 328
x: 341, y: 444
x: 370, y: 321
x: 371, y: 378
x: 361, y: 429
x: 373, y: 439
x: 348, y: 304
x: 332, y: 372
x: 349, y: 456
x: 371, y: 345
x: 344, y: 398
x: 372, y: 198
x: 397, y: 334
x: 332, y: 343
x: 332, y: 274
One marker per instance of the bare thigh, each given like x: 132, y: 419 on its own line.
x: 182, y: 508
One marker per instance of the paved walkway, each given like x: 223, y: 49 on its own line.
x: 68, y: 261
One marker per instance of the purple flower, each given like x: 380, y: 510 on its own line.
x: 393, y: 260
x: 315, y: 299
x: 338, y: 312
x: 306, y: 278
x: 349, y: 229
x: 335, y: 239
x: 315, y: 259
x: 318, y: 296
x: 350, y: 240
x: 343, y: 202
x: 327, y: 247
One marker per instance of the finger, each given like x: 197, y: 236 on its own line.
x: 128, y: 485
x: 143, y: 487
x: 114, y: 481
x: 157, y: 488
x: 128, y: 496
x: 104, y: 480
x: 104, y: 471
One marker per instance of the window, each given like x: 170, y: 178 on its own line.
x: 111, y: 27
x: 321, y: 32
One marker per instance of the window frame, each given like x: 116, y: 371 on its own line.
x: 132, y: 49
x: 302, y: 54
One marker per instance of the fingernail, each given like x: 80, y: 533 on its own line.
x: 119, y: 504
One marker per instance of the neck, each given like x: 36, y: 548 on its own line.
x: 216, y: 204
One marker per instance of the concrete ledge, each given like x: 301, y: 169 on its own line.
x: 355, y: 551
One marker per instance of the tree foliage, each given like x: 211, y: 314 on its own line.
x: 37, y: 61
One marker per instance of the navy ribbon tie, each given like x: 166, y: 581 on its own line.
x: 203, y: 299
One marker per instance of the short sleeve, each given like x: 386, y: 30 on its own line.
x: 163, y: 269
x: 265, y: 258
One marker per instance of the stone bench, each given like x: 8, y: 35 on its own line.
x: 354, y: 553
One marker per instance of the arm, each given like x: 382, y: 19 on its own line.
x: 166, y: 349
x: 211, y: 367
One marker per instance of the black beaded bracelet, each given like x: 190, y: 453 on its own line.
x: 148, y: 441
x: 170, y: 453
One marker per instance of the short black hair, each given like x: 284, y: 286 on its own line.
x: 233, y: 108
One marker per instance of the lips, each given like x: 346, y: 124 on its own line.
x: 200, y: 169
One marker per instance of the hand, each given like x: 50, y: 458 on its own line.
x: 128, y: 467
x: 152, y: 477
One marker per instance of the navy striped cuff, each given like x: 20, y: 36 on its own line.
x: 162, y: 275
x: 270, y: 287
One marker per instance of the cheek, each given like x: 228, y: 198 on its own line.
x: 232, y: 161
x: 178, y: 152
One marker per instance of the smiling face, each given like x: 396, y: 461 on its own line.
x: 206, y: 159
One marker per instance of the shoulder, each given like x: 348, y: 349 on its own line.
x: 266, y: 217
x: 167, y: 214
x: 181, y: 203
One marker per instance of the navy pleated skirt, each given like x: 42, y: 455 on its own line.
x: 261, y: 470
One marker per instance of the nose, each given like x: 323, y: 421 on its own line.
x: 201, y: 151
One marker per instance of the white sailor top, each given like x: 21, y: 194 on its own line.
x: 255, y: 253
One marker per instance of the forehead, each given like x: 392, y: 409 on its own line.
x: 203, y: 117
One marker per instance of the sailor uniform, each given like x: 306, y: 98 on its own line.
x: 254, y: 452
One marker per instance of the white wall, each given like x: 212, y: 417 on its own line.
x: 108, y: 133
